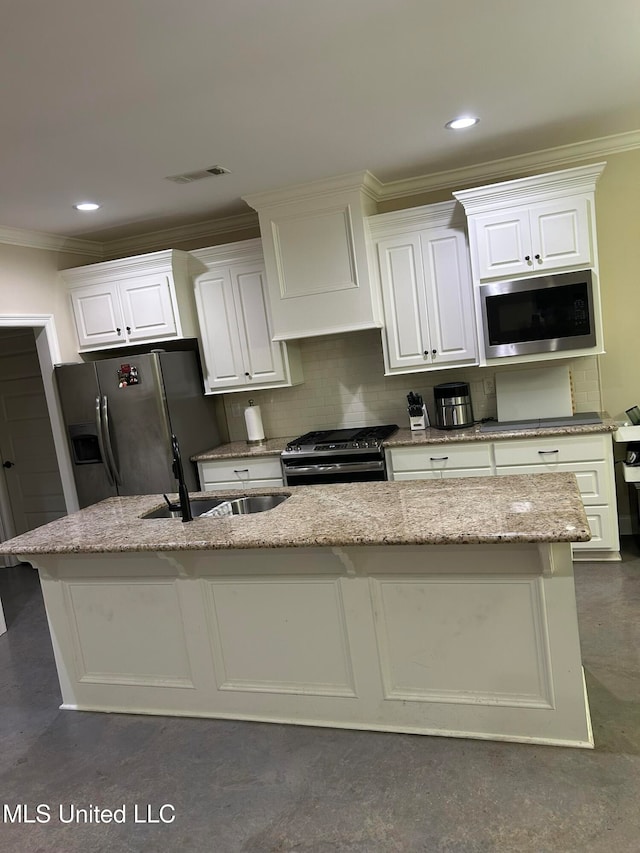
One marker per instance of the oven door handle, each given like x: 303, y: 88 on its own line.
x: 335, y: 468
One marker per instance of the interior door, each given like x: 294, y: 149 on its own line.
x: 27, y: 451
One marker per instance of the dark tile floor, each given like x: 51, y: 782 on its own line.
x: 263, y: 788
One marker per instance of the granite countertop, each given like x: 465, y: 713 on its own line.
x: 237, y: 449
x: 406, y: 437
x: 523, y: 508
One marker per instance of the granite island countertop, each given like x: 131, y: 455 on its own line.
x: 522, y: 508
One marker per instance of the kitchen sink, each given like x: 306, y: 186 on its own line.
x: 217, y: 507
x: 255, y: 503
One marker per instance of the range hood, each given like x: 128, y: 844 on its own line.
x: 316, y: 256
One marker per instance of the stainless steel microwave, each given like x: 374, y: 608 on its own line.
x: 545, y: 314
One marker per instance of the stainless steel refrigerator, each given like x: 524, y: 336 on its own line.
x: 119, y: 415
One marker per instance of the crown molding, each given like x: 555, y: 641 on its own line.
x: 367, y: 183
x: 180, y: 234
x: 364, y: 182
x: 51, y: 242
x: 581, y: 179
x: 228, y: 253
x: 495, y: 169
x: 444, y: 214
x: 167, y: 261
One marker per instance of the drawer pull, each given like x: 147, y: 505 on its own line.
x: 240, y: 470
x: 548, y: 451
x: 438, y: 458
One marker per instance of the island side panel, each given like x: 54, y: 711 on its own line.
x: 474, y: 641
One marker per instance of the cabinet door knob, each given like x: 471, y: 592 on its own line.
x: 434, y: 352
x: 8, y: 464
x: 247, y: 374
x: 538, y: 258
x: 426, y: 352
x: 118, y: 330
x: 528, y: 258
x: 128, y: 330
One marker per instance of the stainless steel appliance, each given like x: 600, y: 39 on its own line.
x: 545, y: 314
x: 120, y: 414
x: 336, y: 456
x: 453, y: 405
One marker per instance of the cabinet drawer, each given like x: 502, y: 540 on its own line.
x: 446, y: 474
x: 552, y: 450
x: 244, y: 484
x: 240, y: 470
x: 604, y: 530
x: 440, y: 457
x: 592, y: 477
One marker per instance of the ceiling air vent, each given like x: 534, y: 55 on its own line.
x: 189, y: 177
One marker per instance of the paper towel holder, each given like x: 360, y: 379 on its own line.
x: 253, y: 420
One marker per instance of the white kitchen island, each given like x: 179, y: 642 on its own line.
x: 431, y: 607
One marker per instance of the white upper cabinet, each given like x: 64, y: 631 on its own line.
x: 235, y: 322
x: 545, y: 237
x: 315, y: 254
x: 425, y: 278
x: 534, y: 225
x: 133, y: 300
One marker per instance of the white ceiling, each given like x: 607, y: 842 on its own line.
x: 103, y: 100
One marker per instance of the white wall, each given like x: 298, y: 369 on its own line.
x: 29, y: 284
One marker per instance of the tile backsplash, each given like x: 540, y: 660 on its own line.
x: 344, y: 385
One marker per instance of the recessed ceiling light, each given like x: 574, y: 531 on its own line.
x: 461, y: 123
x: 86, y: 205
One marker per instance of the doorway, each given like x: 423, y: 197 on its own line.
x: 32, y: 483
x: 43, y: 339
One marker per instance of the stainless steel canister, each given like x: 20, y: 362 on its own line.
x: 453, y: 405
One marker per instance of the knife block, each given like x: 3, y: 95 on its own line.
x: 419, y: 421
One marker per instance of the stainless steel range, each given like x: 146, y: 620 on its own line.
x: 336, y: 456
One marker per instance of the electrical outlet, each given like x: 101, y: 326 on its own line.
x: 489, y: 384
x: 236, y: 410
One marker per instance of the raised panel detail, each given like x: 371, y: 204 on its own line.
x: 403, y: 306
x: 463, y: 640
x: 108, y: 620
x: 147, y: 307
x: 561, y: 232
x: 315, y: 252
x: 256, y: 626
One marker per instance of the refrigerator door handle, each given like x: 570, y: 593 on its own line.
x: 103, y: 455
x: 107, y: 440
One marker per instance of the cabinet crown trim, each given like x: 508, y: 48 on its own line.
x: 582, y: 179
x: 364, y: 181
x: 445, y: 214
x: 154, y: 262
x: 227, y: 253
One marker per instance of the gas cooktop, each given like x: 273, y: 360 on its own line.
x: 341, y: 440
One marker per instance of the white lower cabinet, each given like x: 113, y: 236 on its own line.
x: 589, y: 457
x: 240, y: 473
x: 437, y: 461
